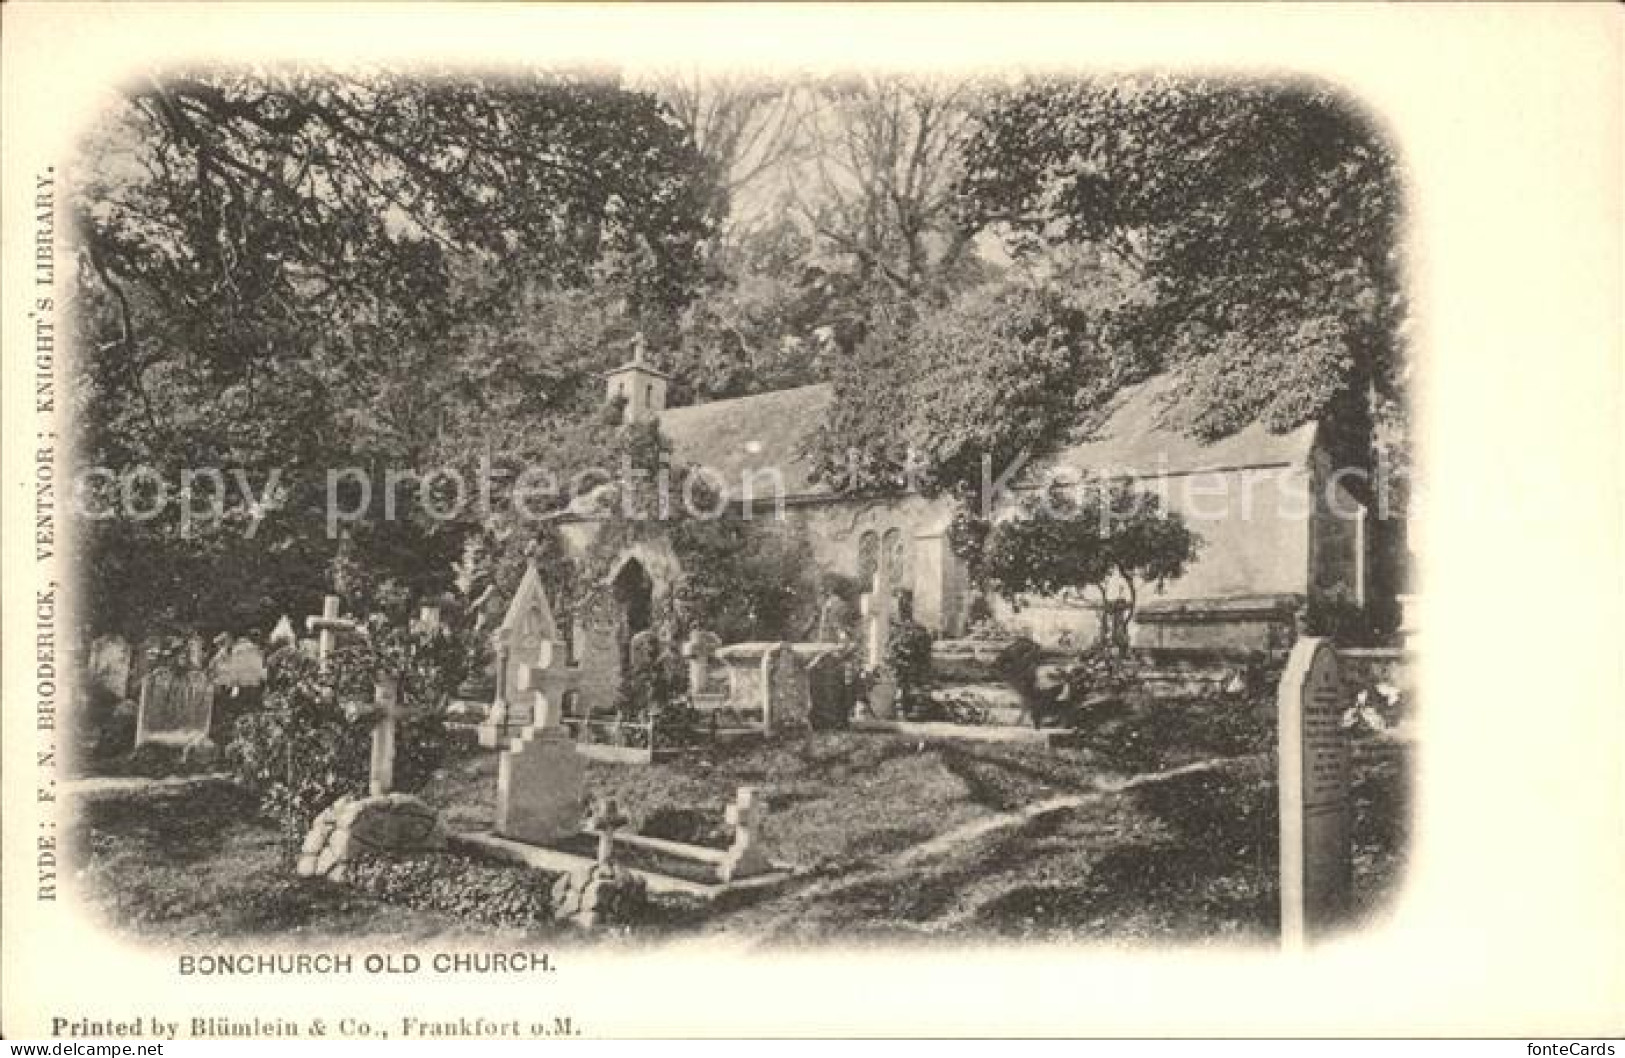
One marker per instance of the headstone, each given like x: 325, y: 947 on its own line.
x: 699, y: 651
x: 527, y: 624
x: 241, y: 664
x: 175, y: 707
x: 785, y: 678
x: 110, y: 663
x: 327, y: 627
x: 541, y: 779
x: 745, y: 856
x: 541, y: 683
x: 283, y: 634
x: 602, y: 894
x: 1317, y: 864
x: 829, y: 692
x: 877, y: 617
x: 387, y: 705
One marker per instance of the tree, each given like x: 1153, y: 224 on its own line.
x: 1262, y: 216
x: 278, y: 272
x: 1105, y: 535
x: 999, y: 376
x: 880, y: 189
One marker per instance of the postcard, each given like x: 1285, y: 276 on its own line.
x: 574, y: 521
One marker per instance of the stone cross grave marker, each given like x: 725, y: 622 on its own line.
x: 877, y: 614
x: 175, y: 707
x: 327, y: 626
x: 745, y: 856
x: 607, y: 818
x: 699, y: 649
x: 541, y: 778
x: 1317, y: 863
x: 527, y: 624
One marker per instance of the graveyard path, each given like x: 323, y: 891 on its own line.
x: 779, y: 917
x: 98, y: 785
x: 975, y: 830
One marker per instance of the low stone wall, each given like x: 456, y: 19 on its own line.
x: 1233, y: 627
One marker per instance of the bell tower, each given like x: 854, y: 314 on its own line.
x: 640, y: 387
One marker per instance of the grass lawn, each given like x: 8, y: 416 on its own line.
x: 1188, y: 858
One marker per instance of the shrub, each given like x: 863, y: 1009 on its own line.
x: 310, y: 745
x: 1147, y: 734
x: 908, y: 659
x: 496, y: 894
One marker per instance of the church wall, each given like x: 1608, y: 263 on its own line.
x: 1256, y: 527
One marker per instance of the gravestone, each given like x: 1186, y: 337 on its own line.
x: 1317, y: 863
x: 829, y: 692
x: 746, y: 856
x: 111, y: 660
x: 175, y: 707
x: 283, y: 634
x: 525, y: 627
x: 541, y: 779
x: 878, y: 608
x: 698, y: 651
x: 785, y: 679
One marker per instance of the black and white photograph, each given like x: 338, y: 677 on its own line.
x: 487, y: 519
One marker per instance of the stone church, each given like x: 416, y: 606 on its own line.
x: 1278, y: 528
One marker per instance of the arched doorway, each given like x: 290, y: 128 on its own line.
x: 634, y: 603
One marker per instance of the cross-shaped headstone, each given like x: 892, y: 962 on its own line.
x: 700, y: 648
x: 877, y: 615
x: 386, y: 699
x: 745, y: 856
x: 606, y: 819
x: 327, y: 626
x: 547, y: 710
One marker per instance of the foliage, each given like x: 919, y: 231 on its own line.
x: 908, y: 659
x: 498, y: 894
x: 959, y: 396
x: 1017, y: 664
x: 282, y: 273
x: 1097, y: 534
x: 1263, y: 217
x: 1141, y: 734
x: 311, y: 742
x: 1337, y: 615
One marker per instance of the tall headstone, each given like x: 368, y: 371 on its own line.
x: 175, y: 707
x: 525, y: 627
x: 877, y: 614
x: 541, y: 779
x: 698, y: 651
x: 784, y: 678
x: 1317, y: 862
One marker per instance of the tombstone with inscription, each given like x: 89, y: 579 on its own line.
x: 1317, y: 863
x: 175, y: 707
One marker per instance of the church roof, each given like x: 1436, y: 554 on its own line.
x: 1135, y: 438
x: 772, y: 430
x: 761, y: 432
